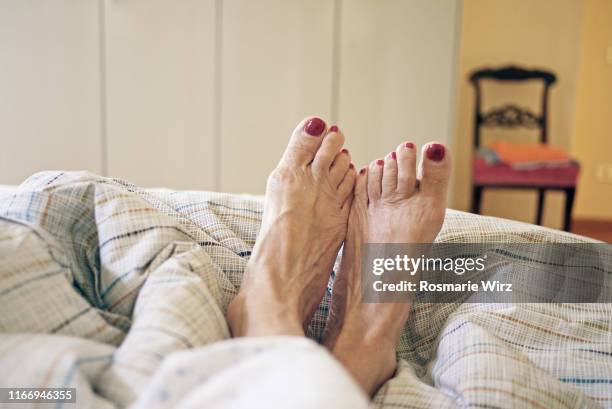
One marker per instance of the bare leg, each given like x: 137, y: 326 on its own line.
x: 391, y: 205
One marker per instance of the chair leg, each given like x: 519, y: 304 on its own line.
x: 476, y: 199
x: 541, y: 193
x: 569, y: 204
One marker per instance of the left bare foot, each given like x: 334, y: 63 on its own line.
x: 308, y: 199
x: 389, y: 207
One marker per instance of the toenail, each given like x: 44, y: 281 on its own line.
x: 409, y: 145
x: 380, y: 162
x: 435, y: 152
x: 393, y: 155
x: 362, y: 171
x: 314, y: 127
x: 344, y: 150
x: 351, y: 166
x: 334, y: 128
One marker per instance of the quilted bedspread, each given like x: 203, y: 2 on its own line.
x: 100, y: 280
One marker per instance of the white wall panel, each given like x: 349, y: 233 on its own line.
x: 49, y: 87
x: 276, y: 69
x: 160, y: 91
x: 396, y: 73
x: 203, y: 94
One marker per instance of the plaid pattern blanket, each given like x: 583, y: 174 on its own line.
x: 101, y: 280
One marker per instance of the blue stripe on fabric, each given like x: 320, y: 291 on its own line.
x: 586, y: 380
x: 190, y: 205
x: 31, y: 280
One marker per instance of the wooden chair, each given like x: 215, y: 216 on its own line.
x: 503, y: 176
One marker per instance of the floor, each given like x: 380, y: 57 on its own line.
x: 597, y: 229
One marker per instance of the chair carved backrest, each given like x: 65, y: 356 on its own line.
x: 511, y: 115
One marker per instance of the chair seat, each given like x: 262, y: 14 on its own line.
x: 486, y: 174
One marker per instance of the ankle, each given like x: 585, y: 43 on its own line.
x: 249, y: 317
x: 371, y: 361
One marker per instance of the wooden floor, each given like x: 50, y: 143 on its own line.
x: 597, y: 229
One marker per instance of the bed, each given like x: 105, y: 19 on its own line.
x: 101, y: 281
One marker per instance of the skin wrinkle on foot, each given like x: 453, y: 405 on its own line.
x: 315, y: 201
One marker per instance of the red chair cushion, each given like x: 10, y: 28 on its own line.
x: 486, y: 174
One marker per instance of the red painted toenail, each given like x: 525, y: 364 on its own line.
x: 409, y: 145
x: 393, y: 155
x: 334, y: 128
x: 435, y: 152
x: 314, y: 126
x: 362, y: 171
x: 351, y: 166
x: 344, y: 150
x: 380, y: 162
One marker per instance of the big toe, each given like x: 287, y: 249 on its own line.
x: 305, y: 142
x: 435, y: 169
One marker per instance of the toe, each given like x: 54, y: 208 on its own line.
x: 375, y: 173
x: 361, y: 188
x: 406, y: 169
x: 339, y: 167
x: 389, y: 178
x: 345, y: 188
x: 435, y: 170
x: 305, y: 142
x: 331, y: 145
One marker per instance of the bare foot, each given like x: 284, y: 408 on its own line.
x: 391, y: 205
x: 308, y: 199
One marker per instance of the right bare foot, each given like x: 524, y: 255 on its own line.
x: 391, y: 205
x: 308, y: 199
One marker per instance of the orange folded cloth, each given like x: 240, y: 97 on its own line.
x: 521, y: 155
